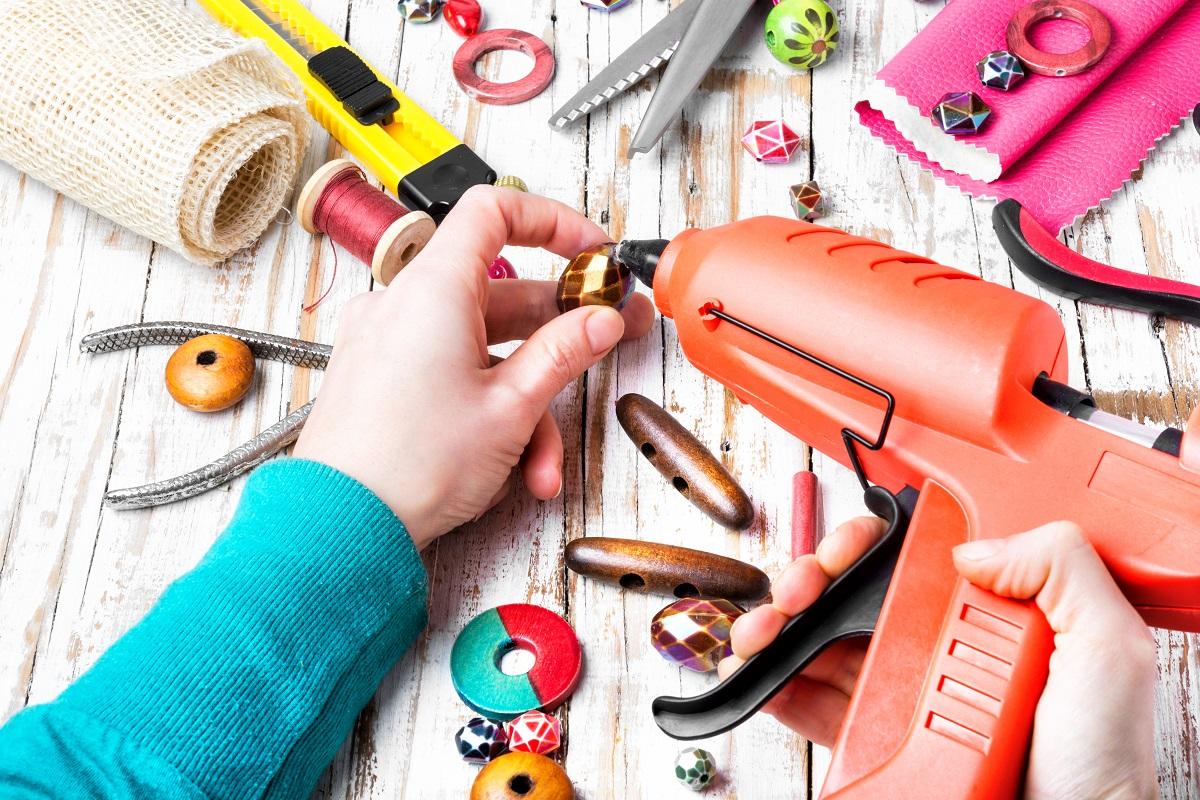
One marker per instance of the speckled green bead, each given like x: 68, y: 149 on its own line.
x: 802, y: 33
x: 695, y: 768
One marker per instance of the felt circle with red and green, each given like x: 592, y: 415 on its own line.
x: 475, y: 661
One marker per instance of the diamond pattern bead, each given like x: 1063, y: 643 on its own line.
x: 1000, y: 70
x: 481, y: 740
x: 961, y: 113
x: 603, y: 5
x: 770, y: 141
x: 420, y: 11
x: 807, y: 200
x: 694, y: 632
x: 695, y: 768
x: 593, y: 278
x: 534, y: 732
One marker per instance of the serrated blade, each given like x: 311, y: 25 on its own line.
x: 715, y: 22
x: 651, y: 51
x: 281, y: 27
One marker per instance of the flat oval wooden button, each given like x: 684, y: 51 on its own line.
x: 686, y: 463
x: 666, y: 569
x: 522, y: 776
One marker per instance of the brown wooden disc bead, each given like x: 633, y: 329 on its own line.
x: 210, y: 373
x: 522, y: 776
x: 688, y: 465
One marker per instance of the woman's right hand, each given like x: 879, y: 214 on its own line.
x: 1093, y: 733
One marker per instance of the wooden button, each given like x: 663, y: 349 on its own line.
x: 666, y: 569
x: 475, y: 661
x: 688, y: 465
x: 522, y: 776
x: 1059, y: 65
x: 210, y: 372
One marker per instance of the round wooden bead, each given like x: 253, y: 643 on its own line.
x: 522, y: 776
x: 210, y: 372
x: 475, y: 661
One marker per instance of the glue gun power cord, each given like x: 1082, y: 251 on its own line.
x: 640, y: 256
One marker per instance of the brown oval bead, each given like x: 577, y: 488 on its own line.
x: 522, y: 776
x: 686, y: 463
x: 210, y: 372
x: 666, y: 569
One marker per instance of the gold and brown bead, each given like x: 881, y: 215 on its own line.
x: 210, y: 373
x: 593, y: 278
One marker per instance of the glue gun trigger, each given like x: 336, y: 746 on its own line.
x: 849, y: 607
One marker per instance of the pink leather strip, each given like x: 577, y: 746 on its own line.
x: 1065, y: 144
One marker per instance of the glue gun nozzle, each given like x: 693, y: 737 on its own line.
x: 640, y: 256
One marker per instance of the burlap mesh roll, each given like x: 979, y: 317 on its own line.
x: 153, y: 115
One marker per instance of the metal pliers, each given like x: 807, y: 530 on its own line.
x: 254, y: 452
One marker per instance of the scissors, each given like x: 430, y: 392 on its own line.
x: 690, y: 38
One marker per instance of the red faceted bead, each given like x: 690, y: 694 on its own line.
x: 463, y: 16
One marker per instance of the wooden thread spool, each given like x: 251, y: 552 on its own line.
x: 338, y: 202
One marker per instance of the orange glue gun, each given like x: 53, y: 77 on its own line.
x: 947, y: 396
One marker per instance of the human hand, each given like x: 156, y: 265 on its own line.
x: 1093, y: 733
x: 412, y: 404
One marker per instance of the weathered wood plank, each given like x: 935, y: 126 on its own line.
x: 73, y: 577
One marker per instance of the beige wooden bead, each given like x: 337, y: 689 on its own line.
x: 210, y: 373
x: 522, y: 776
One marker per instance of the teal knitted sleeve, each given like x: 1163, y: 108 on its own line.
x: 246, y: 676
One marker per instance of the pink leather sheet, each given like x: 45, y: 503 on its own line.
x: 1057, y: 145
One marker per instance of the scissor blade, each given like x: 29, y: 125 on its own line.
x: 713, y: 25
x: 652, y: 50
x: 281, y: 27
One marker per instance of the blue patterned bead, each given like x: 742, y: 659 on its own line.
x: 481, y: 740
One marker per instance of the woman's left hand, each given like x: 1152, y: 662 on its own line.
x: 412, y: 404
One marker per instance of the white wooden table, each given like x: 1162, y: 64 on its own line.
x: 74, y: 576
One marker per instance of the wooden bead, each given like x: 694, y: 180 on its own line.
x: 666, y: 569
x: 522, y: 776
x: 804, y: 514
x: 686, y: 463
x: 210, y: 372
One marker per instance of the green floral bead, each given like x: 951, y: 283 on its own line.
x: 802, y: 33
x: 695, y: 768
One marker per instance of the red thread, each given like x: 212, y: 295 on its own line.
x: 355, y: 214
x: 311, y: 307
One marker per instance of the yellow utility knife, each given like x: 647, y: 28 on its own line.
x: 398, y: 142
